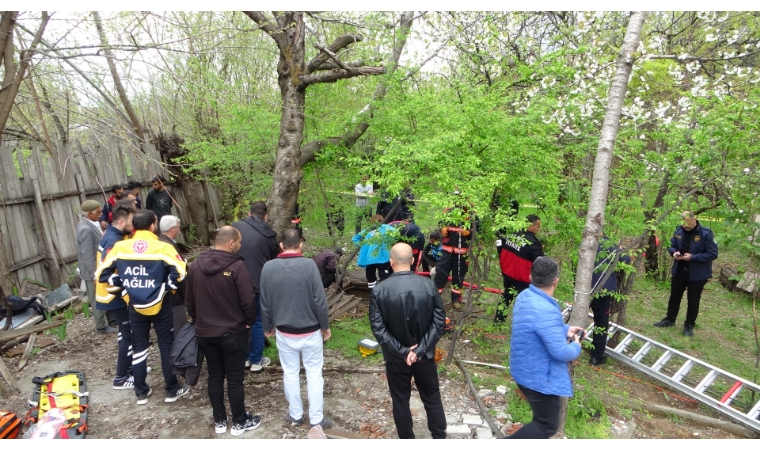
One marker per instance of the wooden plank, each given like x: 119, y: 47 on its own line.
x: 25, y: 247
x: 47, y: 236
x: 15, y: 333
x: 87, y: 171
x: 10, y: 183
x: 27, y: 351
x: 60, y: 305
x: 28, y: 262
x: 7, y: 375
x: 25, y: 182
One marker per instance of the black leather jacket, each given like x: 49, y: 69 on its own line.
x: 404, y: 310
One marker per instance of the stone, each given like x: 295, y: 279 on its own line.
x: 458, y: 430
x: 502, y: 389
x: 472, y: 420
x: 484, y: 433
x: 485, y: 393
x: 623, y: 429
x: 452, y: 419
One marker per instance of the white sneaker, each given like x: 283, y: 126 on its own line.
x: 252, y: 422
x: 143, y: 399
x: 220, y: 427
x: 260, y: 366
x: 247, y: 364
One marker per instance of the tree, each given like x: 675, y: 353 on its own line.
x: 294, y: 76
x: 600, y: 184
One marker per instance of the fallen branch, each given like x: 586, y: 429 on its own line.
x: 483, y: 410
x: 477, y: 363
x: 27, y: 351
x: 668, y: 411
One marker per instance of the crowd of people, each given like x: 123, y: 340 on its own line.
x: 253, y: 285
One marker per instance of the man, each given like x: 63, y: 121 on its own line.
x: 170, y: 229
x: 159, y: 198
x: 516, y: 255
x: 134, y: 188
x: 105, y: 217
x: 541, y: 346
x: 128, y: 195
x: 600, y: 303
x: 407, y: 316
x: 88, y: 237
x: 693, y: 249
x: 146, y: 269
x: 259, y: 246
x: 455, y: 241
x: 327, y: 262
x: 363, y: 191
x: 220, y: 302
x: 294, y: 308
x: 109, y: 298
x: 412, y: 235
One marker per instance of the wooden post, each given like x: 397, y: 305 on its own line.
x: 210, y: 203
x: 27, y: 351
x: 50, y: 250
x: 81, y: 188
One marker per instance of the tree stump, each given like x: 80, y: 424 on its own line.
x: 725, y: 274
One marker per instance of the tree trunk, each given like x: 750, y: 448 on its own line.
x: 288, y: 32
x: 600, y: 183
x: 117, y: 79
x: 287, y: 168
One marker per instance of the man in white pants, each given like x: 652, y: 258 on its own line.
x: 294, y: 308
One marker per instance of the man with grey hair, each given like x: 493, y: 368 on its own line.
x: 170, y: 229
x: 406, y: 316
x: 541, y: 346
x: 88, y: 239
x: 693, y: 249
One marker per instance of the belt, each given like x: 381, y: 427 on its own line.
x: 455, y: 250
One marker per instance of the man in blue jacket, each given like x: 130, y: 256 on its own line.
x: 693, y: 249
x: 541, y: 346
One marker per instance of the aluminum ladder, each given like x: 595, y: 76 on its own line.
x: 728, y: 394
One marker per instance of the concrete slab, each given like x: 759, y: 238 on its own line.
x: 468, y: 419
x: 484, y: 433
x: 458, y: 430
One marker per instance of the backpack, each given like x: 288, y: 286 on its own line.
x: 10, y: 425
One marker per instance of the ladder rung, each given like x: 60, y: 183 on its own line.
x: 683, y: 370
x: 752, y: 414
x: 662, y: 361
x: 622, y: 346
x: 612, y: 330
x: 642, y: 351
x: 706, y: 381
x: 732, y: 393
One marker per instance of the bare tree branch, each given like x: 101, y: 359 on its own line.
x: 331, y: 65
x: 264, y: 24
x: 701, y: 58
x: 339, y: 74
x: 329, y: 52
x: 309, y: 151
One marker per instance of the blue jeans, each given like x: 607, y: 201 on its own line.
x: 256, y: 349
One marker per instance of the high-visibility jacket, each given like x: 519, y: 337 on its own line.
x: 109, y: 297
x: 145, y: 268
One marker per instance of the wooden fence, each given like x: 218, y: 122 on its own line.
x: 41, y: 195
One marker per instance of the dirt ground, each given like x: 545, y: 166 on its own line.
x: 357, y: 402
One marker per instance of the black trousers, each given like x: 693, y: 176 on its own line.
x: 678, y: 284
x: 163, y: 322
x: 425, y: 375
x: 512, y: 287
x: 377, y: 271
x: 545, y: 415
x: 328, y: 279
x: 456, y: 265
x: 225, y: 357
x: 600, y: 306
x: 124, y: 358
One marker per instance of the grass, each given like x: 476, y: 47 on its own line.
x: 346, y: 333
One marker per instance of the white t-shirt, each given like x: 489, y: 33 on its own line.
x: 361, y: 193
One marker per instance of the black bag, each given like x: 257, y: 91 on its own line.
x: 185, y: 348
x: 19, y: 305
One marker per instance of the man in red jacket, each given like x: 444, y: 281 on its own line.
x: 516, y: 255
x: 219, y: 299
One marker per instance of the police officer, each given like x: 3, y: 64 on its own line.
x: 693, y: 249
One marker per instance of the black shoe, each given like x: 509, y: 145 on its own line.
x: 664, y: 323
x: 594, y: 361
x: 292, y: 421
x: 252, y: 422
x: 325, y: 423
x: 688, y: 330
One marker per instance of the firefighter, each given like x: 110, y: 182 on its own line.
x: 455, y: 242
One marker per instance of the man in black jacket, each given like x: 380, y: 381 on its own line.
x: 516, y: 255
x: 220, y: 302
x: 407, y: 316
x: 259, y: 246
x: 693, y: 249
